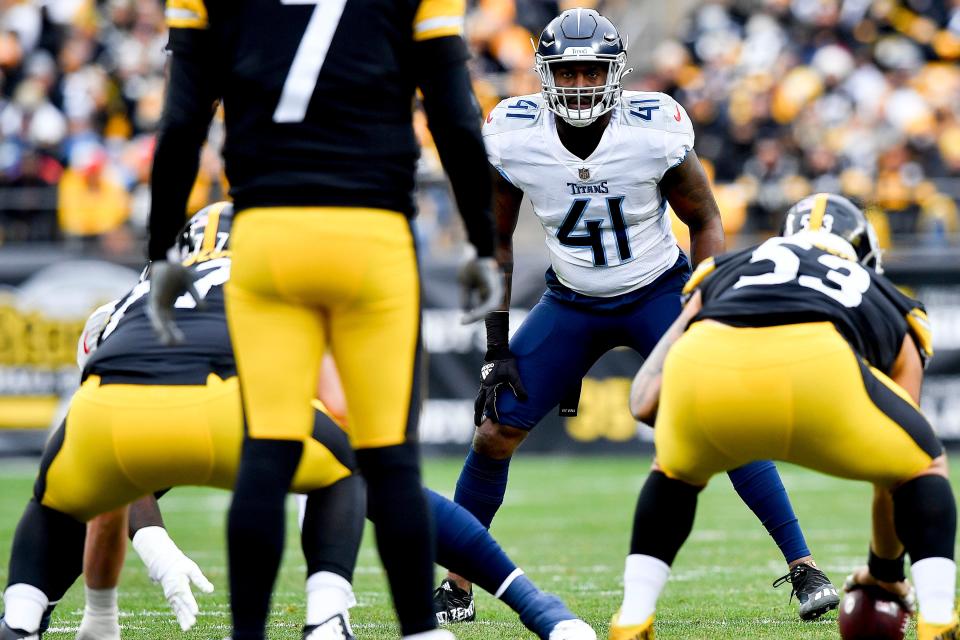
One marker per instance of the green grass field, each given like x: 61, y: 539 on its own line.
x: 565, y: 521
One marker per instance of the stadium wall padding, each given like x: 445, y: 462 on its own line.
x: 45, y: 298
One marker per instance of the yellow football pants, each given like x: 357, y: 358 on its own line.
x: 796, y: 393
x: 124, y: 441
x: 305, y: 277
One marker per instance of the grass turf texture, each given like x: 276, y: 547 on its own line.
x: 566, y: 521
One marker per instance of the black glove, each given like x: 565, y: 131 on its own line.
x: 168, y: 281
x: 481, y: 286
x: 499, y: 368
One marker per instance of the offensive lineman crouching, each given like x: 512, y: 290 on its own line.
x: 798, y: 350
x: 172, y: 417
x: 122, y: 352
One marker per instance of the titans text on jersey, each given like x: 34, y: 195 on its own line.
x: 605, y: 210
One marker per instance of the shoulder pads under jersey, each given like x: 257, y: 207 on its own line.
x: 511, y: 114
x: 653, y: 110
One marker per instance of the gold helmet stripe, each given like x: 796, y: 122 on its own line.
x: 213, y: 224
x: 816, y: 214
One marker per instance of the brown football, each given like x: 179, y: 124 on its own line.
x: 871, y: 613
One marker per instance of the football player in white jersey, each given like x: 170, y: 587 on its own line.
x: 599, y: 166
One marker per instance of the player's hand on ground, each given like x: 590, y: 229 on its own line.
x: 168, y: 281
x: 481, y: 287
x: 174, y: 571
x: 176, y: 589
x: 861, y: 577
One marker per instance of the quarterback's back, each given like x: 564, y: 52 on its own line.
x: 317, y: 94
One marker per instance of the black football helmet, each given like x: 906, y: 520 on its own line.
x: 834, y: 214
x: 581, y: 35
x: 206, y: 233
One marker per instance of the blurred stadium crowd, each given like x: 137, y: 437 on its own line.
x: 788, y: 97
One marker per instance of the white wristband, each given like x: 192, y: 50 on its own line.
x: 155, y: 547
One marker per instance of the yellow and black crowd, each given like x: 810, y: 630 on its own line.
x: 788, y: 98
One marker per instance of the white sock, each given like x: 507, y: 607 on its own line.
x: 327, y: 595
x: 301, y: 509
x: 101, y: 602
x: 23, y: 606
x: 101, y: 616
x: 643, y: 579
x: 936, y: 583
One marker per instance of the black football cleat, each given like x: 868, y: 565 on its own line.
x: 7, y: 633
x: 814, y: 591
x: 44, y: 621
x: 453, y: 604
x: 335, y: 628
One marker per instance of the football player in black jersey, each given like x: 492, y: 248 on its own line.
x: 118, y: 347
x: 171, y: 416
x: 320, y: 154
x: 798, y: 350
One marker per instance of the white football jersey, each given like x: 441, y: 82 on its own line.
x: 604, y: 217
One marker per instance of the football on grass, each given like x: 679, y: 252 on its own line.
x: 871, y: 613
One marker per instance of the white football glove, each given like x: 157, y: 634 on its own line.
x: 167, y: 565
x: 90, y: 338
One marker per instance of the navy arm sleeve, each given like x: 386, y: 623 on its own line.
x: 454, y: 118
x: 190, y: 103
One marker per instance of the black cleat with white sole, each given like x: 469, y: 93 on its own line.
x: 335, y: 628
x: 814, y: 591
x: 453, y: 604
x: 7, y: 633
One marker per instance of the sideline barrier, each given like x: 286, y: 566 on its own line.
x: 45, y: 297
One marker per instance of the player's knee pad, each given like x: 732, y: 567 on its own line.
x: 925, y: 517
x: 386, y: 463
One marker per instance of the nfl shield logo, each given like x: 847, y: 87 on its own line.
x: 584, y: 173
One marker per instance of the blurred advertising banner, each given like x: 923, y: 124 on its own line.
x: 43, y: 306
x: 41, y: 318
x: 603, y: 423
x: 940, y: 292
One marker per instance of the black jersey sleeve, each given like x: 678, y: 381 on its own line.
x: 454, y: 118
x: 915, y: 315
x: 191, y: 98
x: 700, y: 278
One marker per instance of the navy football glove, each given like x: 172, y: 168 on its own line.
x: 481, y: 285
x: 499, y: 368
x: 168, y: 281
